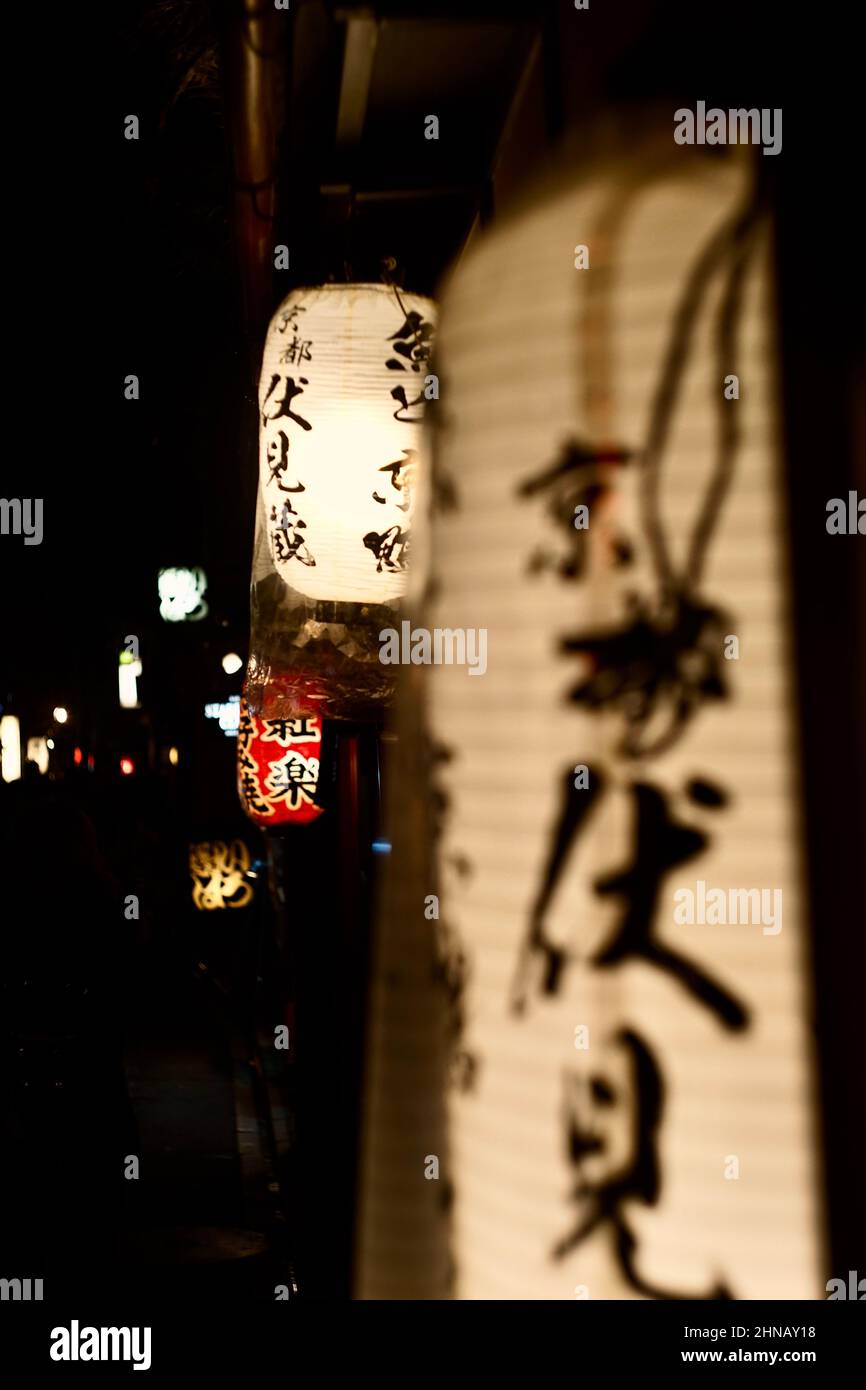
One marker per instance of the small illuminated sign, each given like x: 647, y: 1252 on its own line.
x: 37, y: 752
x: 10, y: 747
x: 227, y: 712
x: 219, y: 873
x: 181, y: 595
x: 128, y: 671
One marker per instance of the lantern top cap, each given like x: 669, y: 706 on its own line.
x: 377, y: 285
x: 352, y: 287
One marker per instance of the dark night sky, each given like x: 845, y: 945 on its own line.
x: 135, y: 241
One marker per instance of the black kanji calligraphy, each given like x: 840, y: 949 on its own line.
x: 404, y: 404
x: 402, y: 479
x: 278, y: 400
x: 287, y: 536
x: 298, y: 350
x: 293, y: 779
x: 288, y: 318
x: 391, y: 549
x: 657, y: 670
x: 288, y: 731
x: 611, y: 1121
x: 278, y: 463
x: 412, y: 342
x: 251, y: 791
x: 578, y: 477
x: 662, y: 844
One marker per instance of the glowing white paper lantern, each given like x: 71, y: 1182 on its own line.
x: 345, y: 378
x: 341, y: 398
x: 613, y: 1071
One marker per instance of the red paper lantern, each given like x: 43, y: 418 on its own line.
x: 278, y: 768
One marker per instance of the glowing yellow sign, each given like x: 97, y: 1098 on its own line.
x: 218, y: 873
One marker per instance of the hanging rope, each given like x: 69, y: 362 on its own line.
x: 733, y: 242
